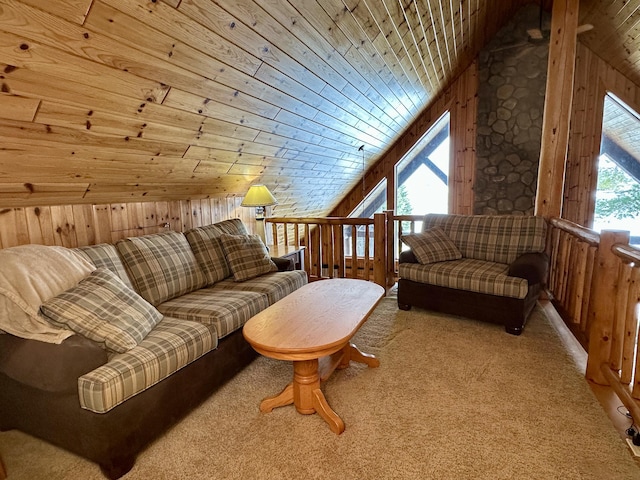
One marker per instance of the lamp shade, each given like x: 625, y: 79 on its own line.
x: 258, y: 196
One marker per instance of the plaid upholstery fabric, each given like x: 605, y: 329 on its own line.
x: 432, y: 246
x: 232, y: 226
x: 226, y: 310
x: 102, y: 308
x: 275, y: 285
x: 247, y: 255
x: 207, y: 248
x: 467, y: 274
x: 105, y: 255
x: 496, y: 238
x: 161, y: 266
x: 171, y: 345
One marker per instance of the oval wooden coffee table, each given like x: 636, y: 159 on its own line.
x: 312, y: 327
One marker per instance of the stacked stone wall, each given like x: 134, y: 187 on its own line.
x: 512, y: 75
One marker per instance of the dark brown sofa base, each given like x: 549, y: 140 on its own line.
x: 510, y: 312
x: 114, y: 439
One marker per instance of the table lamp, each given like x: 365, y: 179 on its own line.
x: 260, y: 197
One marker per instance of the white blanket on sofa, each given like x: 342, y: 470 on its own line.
x: 30, y: 275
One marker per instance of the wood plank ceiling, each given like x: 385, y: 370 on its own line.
x: 128, y: 100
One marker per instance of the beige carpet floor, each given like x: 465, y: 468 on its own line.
x: 452, y: 399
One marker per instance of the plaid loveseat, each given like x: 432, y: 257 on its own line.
x: 106, y: 402
x: 488, y: 267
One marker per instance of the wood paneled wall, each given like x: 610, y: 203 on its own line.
x: 85, y: 224
x: 593, y: 78
x: 461, y: 99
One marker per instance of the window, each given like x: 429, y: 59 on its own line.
x: 618, y: 192
x: 374, y: 202
x: 422, y: 175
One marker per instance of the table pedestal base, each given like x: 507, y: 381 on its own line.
x: 304, y: 392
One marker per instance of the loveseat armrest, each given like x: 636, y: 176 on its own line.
x: 407, y: 256
x: 48, y: 366
x: 284, y: 264
x: 533, y: 267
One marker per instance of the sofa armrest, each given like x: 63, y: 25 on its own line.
x: 48, y: 366
x: 533, y: 267
x: 283, y: 264
x: 407, y: 256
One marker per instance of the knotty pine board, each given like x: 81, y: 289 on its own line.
x: 87, y: 224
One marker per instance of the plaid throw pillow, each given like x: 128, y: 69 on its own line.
x: 161, y: 266
x: 432, y: 246
x: 102, y: 308
x: 247, y: 255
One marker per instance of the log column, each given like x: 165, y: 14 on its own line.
x: 602, y: 304
x: 557, y: 108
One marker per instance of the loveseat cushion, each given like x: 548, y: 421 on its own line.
x: 161, y: 266
x: 494, y: 238
x: 102, y: 308
x: 225, y: 310
x: 467, y: 274
x: 275, y: 286
x: 247, y: 255
x: 432, y: 246
x: 105, y: 255
x: 171, y: 345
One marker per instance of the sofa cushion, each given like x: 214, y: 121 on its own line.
x: 105, y: 255
x: 432, y: 246
x: 102, y: 308
x: 232, y: 226
x: 494, y: 238
x: 30, y: 275
x: 247, y: 255
x: 467, y: 274
x: 226, y: 310
x: 275, y: 286
x: 161, y: 266
x: 207, y: 248
x: 171, y: 345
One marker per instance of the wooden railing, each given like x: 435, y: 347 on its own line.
x: 400, y: 225
x: 594, y: 280
x: 333, y: 245
x: 336, y: 247
x: 572, y: 251
x: 594, y: 283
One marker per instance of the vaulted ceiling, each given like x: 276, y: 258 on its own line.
x: 126, y: 100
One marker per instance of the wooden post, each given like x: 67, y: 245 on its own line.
x: 380, y: 250
x: 391, y: 240
x: 602, y: 304
x: 557, y: 108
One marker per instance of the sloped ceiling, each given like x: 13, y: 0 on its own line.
x: 616, y: 33
x: 125, y: 100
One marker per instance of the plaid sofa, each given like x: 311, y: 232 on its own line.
x: 488, y: 267
x: 108, y: 405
